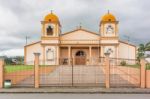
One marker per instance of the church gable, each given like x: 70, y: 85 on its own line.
x: 80, y: 35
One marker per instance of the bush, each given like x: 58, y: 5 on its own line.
x: 148, y: 66
x: 123, y: 63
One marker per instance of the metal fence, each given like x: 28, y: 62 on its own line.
x: 70, y: 73
x: 19, y: 75
x: 77, y: 71
x: 124, y: 73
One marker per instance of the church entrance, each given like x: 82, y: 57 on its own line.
x: 80, y: 58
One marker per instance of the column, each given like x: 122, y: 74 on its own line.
x: 25, y: 55
x: 44, y: 55
x: 107, y: 70
x: 102, y: 51
x: 69, y: 55
x: 1, y: 72
x: 117, y: 51
x: 36, y: 70
x: 143, y: 72
x: 90, y: 55
x: 58, y: 54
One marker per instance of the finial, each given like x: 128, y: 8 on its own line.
x: 51, y: 11
x: 80, y: 25
x: 108, y: 11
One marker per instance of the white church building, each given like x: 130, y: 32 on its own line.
x: 79, y: 46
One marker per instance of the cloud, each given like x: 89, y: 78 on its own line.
x: 12, y: 52
x: 21, y: 18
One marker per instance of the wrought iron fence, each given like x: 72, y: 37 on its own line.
x: 19, y: 75
x: 70, y: 72
x: 124, y: 72
x: 79, y: 71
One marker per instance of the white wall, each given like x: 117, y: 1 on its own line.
x: 80, y: 35
x: 127, y: 51
x: 30, y: 50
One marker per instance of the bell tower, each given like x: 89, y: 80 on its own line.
x: 51, y: 26
x: 109, y: 35
x: 51, y: 30
x: 109, y: 26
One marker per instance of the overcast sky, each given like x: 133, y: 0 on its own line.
x: 21, y: 18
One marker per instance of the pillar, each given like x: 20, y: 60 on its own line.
x: 69, y: 55
x: 143, y: 73
x: 44, y: 55
x: 107, y: 70
x: 36, y: 68
x: 102, y: 51
x: 1, y: 72
x: 90, y: 55
x: 58, y: 55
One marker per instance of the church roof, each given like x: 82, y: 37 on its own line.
x: 127, y: 43
x: 32, y: 43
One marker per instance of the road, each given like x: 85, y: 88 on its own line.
x: 74, y: 96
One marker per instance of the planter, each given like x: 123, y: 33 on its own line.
x: 7, y: 84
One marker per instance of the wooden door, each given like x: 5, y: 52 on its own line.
x: 80, y: 60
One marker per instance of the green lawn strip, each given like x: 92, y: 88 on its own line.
x: 132, y: 66
x: 15, y: 68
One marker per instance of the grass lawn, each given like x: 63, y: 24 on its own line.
x: 133, y: 66
x: 15, y: 68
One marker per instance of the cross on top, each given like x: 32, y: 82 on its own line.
x: 51, y: 11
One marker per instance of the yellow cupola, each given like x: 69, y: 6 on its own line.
x: 51, y: 18
x: 108, y: 18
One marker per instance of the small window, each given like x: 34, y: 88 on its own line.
x: 49, y: 30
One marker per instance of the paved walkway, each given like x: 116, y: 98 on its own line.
x: 77, y: 90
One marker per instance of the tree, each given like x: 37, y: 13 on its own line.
x: 142, y: 49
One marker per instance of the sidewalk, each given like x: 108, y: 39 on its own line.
x: 77, y: 90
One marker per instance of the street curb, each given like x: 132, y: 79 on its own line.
x: 78, y: 90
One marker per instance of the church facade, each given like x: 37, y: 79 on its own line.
x: 80, y: 46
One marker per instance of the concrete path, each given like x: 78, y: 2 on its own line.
x: 77, y: 90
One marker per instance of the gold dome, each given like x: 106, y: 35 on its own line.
x: 108, y: 17
x: 51, y: 18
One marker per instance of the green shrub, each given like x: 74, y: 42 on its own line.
x: 148, y: 66
x: 123, y: 63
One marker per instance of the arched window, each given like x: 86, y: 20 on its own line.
x: 50, y: 55
x: 49, y: 30
x: 80, y: 53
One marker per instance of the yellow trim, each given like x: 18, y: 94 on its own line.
x: 49, y: 38
x: 109, y: 38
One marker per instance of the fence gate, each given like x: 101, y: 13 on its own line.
x: 124, y: 73
x: 90, y: 74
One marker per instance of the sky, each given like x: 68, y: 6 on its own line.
x: 21, y: 18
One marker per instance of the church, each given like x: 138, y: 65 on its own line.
x: 79, y: 46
